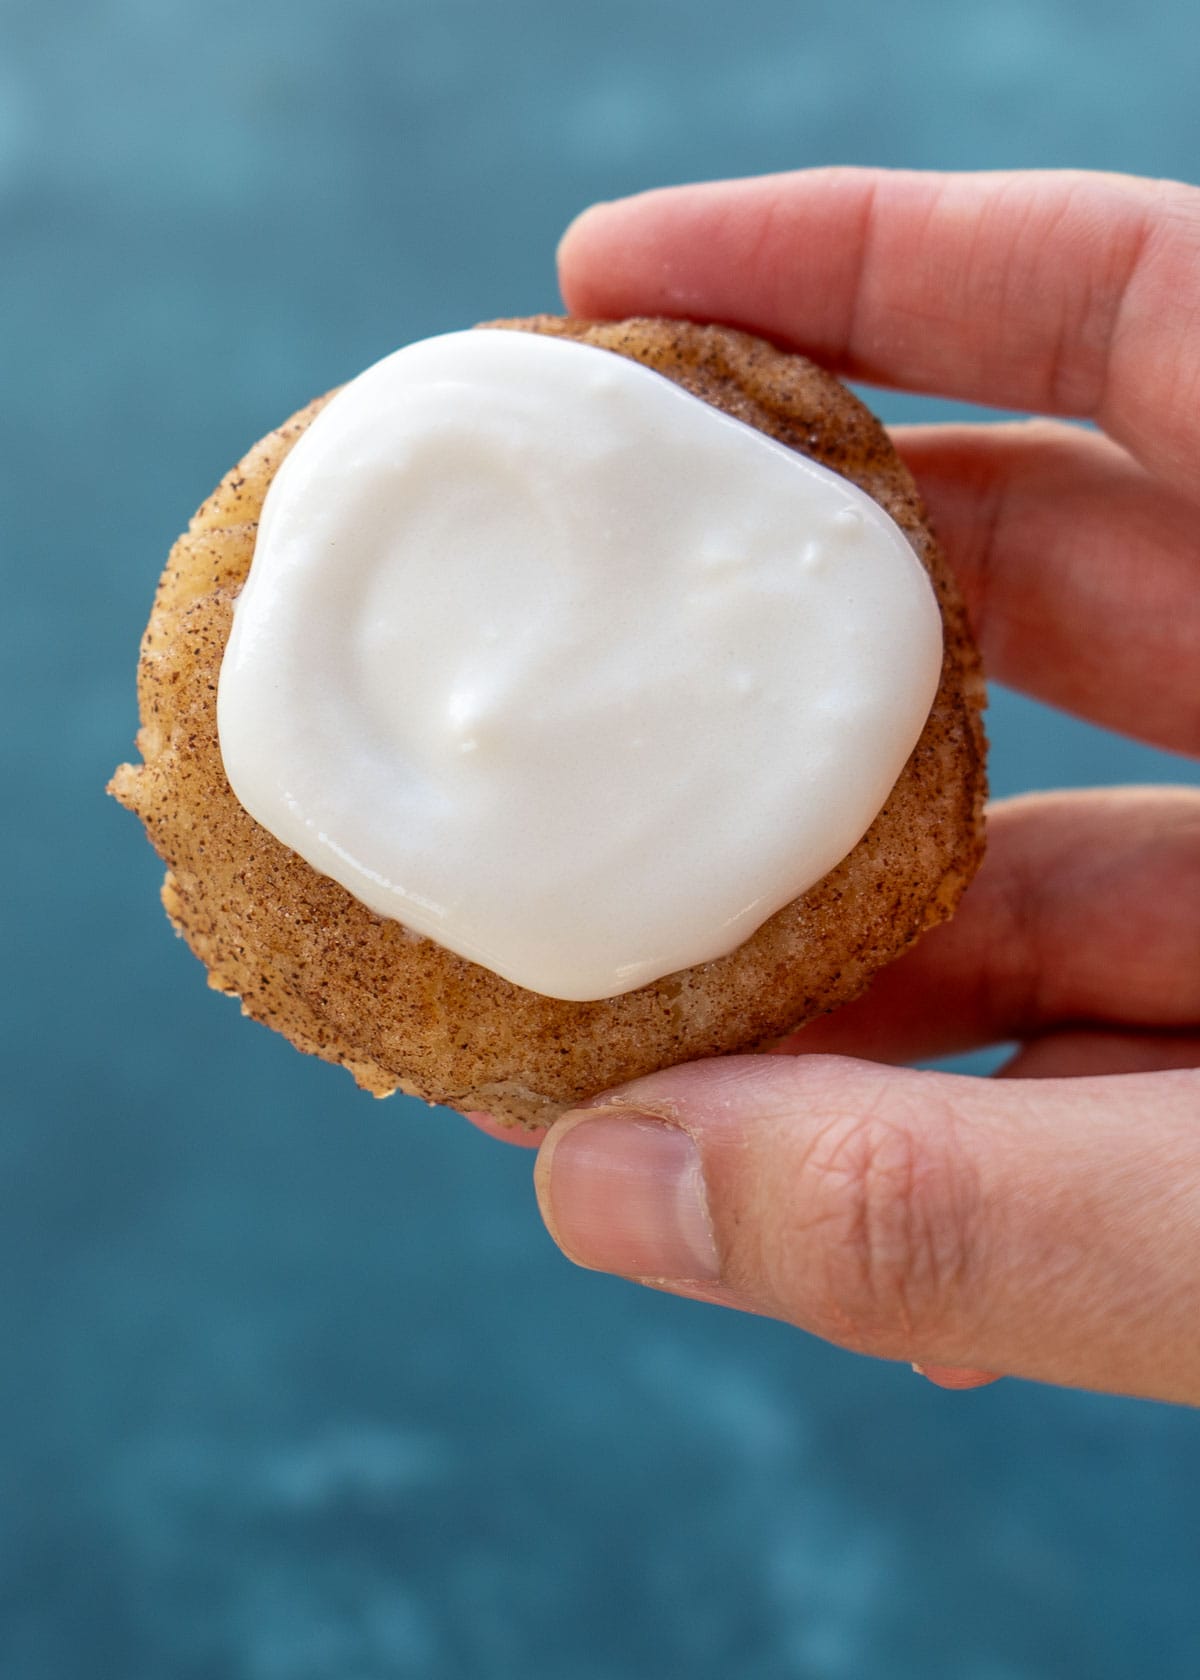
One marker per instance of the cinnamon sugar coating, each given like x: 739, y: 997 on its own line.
x: 398, y: 1010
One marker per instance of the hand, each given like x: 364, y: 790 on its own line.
x: 1046, y: 1224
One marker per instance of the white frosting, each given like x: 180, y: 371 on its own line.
x: 556, y: 664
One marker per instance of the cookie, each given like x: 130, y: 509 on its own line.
x: 401, y: 1012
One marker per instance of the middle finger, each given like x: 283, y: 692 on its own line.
x: 1081, y: 572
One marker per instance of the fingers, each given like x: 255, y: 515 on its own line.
x: 1082, y: 575
x: 1054, y: 291
x: 1086, y: 910
x: 522, y: 1137
x: 1073, y: 1055
x: 1042, y: 1228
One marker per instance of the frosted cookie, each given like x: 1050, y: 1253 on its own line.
x: 587, y: 728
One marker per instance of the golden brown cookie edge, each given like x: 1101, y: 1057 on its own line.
x: 399, y: 1011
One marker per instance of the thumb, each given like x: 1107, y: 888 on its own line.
x: 1044, y: 1228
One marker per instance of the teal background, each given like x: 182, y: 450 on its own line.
x: 293, y: 1386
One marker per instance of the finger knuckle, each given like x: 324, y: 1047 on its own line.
x: 897, y: 1206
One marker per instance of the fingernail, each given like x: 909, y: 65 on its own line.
x: 624, y: 1193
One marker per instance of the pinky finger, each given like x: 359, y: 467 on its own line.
x: 1082, y: 1053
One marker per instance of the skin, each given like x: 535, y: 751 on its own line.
x: 1045, y: 1223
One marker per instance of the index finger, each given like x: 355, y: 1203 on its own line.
x: 1059, y: 292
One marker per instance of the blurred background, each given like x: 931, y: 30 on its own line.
x: 293, y: 1386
